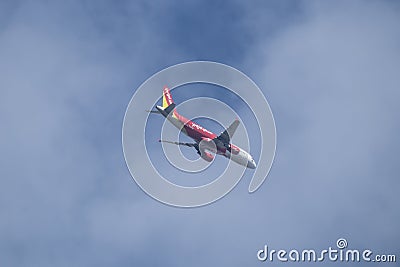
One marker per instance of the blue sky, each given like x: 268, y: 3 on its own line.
x: 330, y: 71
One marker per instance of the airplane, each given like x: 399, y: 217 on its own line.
x: 206, y: 142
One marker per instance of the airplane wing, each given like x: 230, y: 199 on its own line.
x: 195, y: 145
x: 226, y: 135
x: 202, y: 152
x: 180, y: 143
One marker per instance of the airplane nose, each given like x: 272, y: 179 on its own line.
x: 251, y: 164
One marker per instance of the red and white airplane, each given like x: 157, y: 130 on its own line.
x: 206, y: 142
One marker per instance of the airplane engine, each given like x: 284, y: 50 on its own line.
x: 207, y: 156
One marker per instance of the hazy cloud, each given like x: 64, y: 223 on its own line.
x: 328, y: 70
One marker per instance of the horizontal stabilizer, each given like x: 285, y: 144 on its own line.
x: 167, y: 110
x: 153, y: 111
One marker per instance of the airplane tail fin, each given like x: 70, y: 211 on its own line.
x: 167, y: 98
x: 168, y: 104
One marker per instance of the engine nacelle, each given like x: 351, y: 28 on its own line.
x: 206, y: 155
